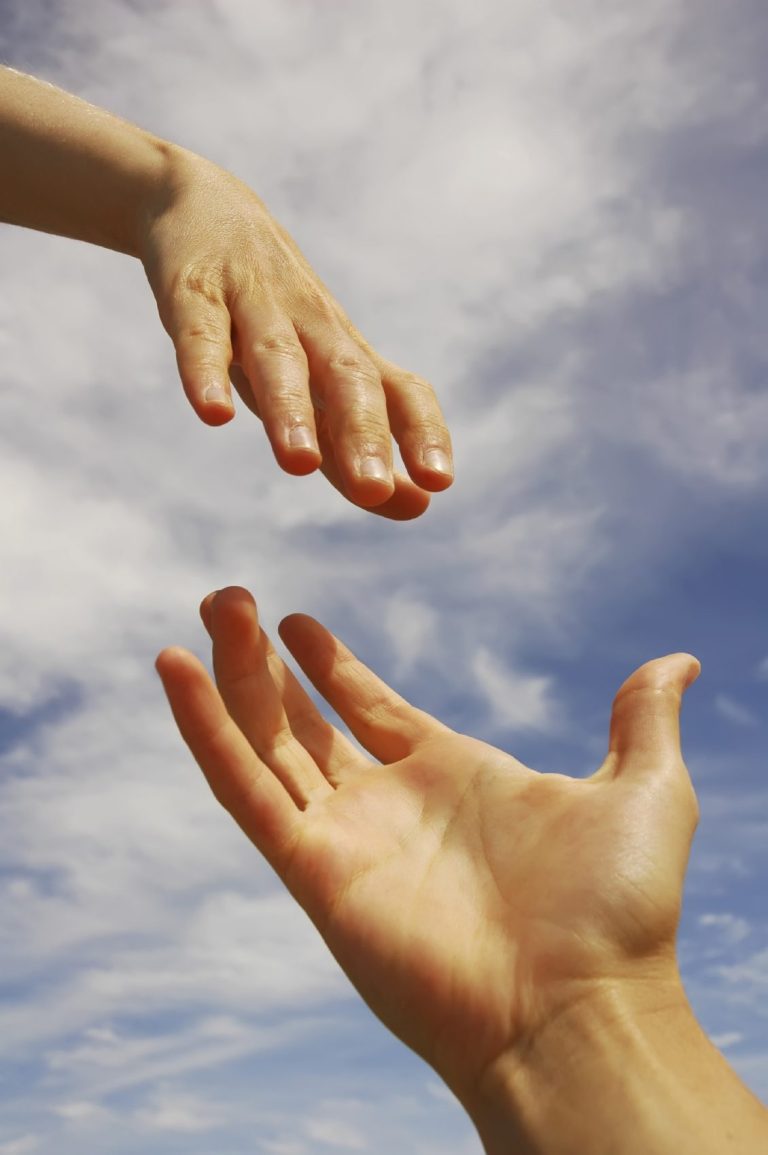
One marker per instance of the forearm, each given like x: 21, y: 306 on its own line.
x: 620, y: 1075
x: 75, y: 170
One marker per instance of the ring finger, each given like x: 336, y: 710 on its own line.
x: 348, y: 385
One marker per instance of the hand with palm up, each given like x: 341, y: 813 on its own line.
x: 470, y: 899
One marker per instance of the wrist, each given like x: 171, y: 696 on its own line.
x: 623, y: 1069
x: 174, y: 172
x: 185, y: 187
x: 144, y: 176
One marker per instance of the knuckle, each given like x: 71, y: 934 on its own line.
x: 207, y: 332
x: 318, y: 304
x: 350, y: 363
x: 383, y: 713
x: 200, y: 281
x: 415, y: 387
x: 365, y: 435
x: 276, y: 344
x: 284, y: 404
x: 428, y: 433
x: 203, y: 342
x: 280, y: 741
x: 192, y: 367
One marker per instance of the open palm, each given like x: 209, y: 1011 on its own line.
x: 468, y: 897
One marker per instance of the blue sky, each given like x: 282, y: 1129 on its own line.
x: 556, y: 213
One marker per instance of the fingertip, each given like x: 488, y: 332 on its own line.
x: 297, y: 630
x: 296, y: 616
x: 293, y: 437
x: 680, y: 669
x: 160, y: 661
x: 235, y: 593
x: 207, y: 387
x: 434, y: 482
x: 171, y: 659
x: 402, y: 501
x: 645, y: 720
x: 693, y: 670
x: 227, y: 598
x: 405, y: 511
x: 370, y: 496
x: 215, y: 412
x: 232, y: 603
x: 432, y: 470
x: 214, y: 418
x: 298, y: 461
x: 206, y: 609
x: 677, y: 671
x: 407, y: 502
x: 371, y: 483
x: 290, y: 623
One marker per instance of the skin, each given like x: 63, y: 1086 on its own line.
x: 234, y: 292
x: 498, y: 920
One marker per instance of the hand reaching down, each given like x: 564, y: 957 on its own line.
x: 240, y: 301
x: 233, y: 291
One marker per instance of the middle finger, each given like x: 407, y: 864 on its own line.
x: 252, y: 699
x: 348, y: 385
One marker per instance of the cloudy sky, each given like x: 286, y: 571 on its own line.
x: 556, y: 212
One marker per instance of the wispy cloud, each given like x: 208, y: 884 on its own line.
x: 501, y: 206
x: 730, y: 928
x: 729, y: 1039
x: 180, y: 1113
x: 516, y: 701
x: 734, y: 711
x: 336, y: 1133
x: 24, y: 1145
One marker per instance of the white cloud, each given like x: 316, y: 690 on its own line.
x: 516, y: 701
x: 734, y: 711
x: 440, y: 1091
x: 181, y: 1113
x: 80, y: 1110
x: 284, y: 1147
x: 703, y: 424
x: 493, y: 197
x: 412, y: 629
x: 731, y: 928
x: 751, y: 972
x: 727, y: 1040
x: 21, y: 1146
x: 336, y: 1133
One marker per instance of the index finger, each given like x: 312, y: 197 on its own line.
x: 239, y: 779
x: 200, y: 331
x: 385, y: 724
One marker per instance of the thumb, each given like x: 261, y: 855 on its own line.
x: 645, y: 722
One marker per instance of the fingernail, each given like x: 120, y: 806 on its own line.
x: 300, y: 437
x: 374, y: 467
x: 216, y: 393
x: 438, y: 460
